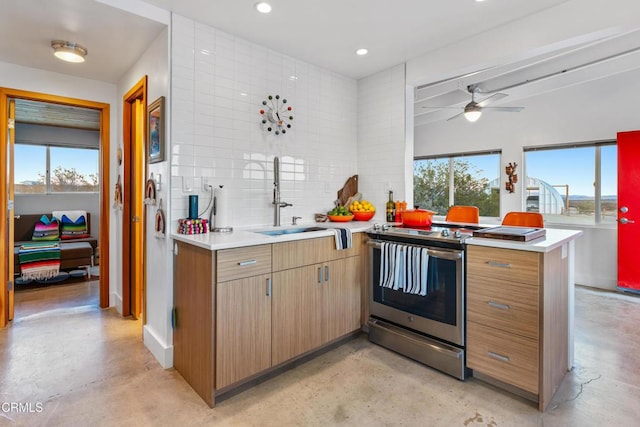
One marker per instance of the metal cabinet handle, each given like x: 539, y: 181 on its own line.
x: 269, y: 286
x: 319, y: 274
x: 498, y: 305
x: 499, y: 264
x: 244, y: 263
x: 326, y: 273
x: 626, y: 221
x: 498, y: 356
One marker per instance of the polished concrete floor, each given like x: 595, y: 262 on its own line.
x: 64, y: 362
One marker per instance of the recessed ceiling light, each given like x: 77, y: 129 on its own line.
x: 362, y: 51
x: 67, y: 51
x: 263, y: 7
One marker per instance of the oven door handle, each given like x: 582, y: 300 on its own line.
x: 452, y: 255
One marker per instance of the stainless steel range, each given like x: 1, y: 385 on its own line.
x: 417, y: 293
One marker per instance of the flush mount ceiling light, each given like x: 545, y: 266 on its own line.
x: 362, y: 51
x: 67, y: 51
x: 263, y: 7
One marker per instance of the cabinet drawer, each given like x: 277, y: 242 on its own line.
x: 506, y: 357
x: 506, y: 305
x: 243, y: 262
x: 505, y: 264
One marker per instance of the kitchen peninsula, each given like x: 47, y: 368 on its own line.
x: 247, y: 304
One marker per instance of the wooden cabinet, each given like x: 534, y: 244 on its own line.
x: 517, y: 319
x: 243, y: 313
x: 341, y: 302
x: 243, y: 329
x: 240, y: 312
x: 296, y: 312
x: 193, y: 320
x: 317, y: 303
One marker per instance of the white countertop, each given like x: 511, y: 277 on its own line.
x: 554, y: 238
x: 248, y: 236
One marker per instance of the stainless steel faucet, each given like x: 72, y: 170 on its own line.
x: 277, y: 204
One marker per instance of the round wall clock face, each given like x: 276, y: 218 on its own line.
x: 276, y: 114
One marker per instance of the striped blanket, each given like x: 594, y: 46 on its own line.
x: 39, y: 260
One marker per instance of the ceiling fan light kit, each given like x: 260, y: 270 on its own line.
x: 473, y: 110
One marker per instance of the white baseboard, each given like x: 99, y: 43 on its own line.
x: 607, y: 283
x: 158, y: 347
x: 115, y: 300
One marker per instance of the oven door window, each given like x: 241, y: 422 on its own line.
x: 440, y: 302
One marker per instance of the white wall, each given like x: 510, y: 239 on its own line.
x: 382, y: 143
x: 218, y: 84
x: 157, y: 335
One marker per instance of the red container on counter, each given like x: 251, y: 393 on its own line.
x: 417, y: 217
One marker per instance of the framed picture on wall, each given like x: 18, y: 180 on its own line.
x: 155, y: 131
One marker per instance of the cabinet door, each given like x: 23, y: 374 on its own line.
x: 243, y: 326
x: 341, y: 298
x: 296, y: 312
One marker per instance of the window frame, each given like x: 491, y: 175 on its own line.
x: 48, y: 185
x: 451, y: 157
x: 597, y: 193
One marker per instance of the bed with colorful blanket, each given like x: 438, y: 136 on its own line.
x: 39, y: 260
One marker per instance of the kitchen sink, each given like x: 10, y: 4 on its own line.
x: 282, y: 231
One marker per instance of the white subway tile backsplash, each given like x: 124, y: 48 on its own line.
x: 218, y: 84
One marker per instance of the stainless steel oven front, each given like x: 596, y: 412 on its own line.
x: 429, y: 328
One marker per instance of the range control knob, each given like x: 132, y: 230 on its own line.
x: 445, y: 232
x: 376, y: 227
x: 457, y: 234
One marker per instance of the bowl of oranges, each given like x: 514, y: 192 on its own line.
x: 362, y: 210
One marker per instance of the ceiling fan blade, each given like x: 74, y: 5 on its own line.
x: 493, y: 98
x: 508, y: 109
x: 455, y: 117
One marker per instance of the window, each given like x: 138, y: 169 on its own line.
x: 50, y: 169
x: 576, y: 184
x: 473, y: 179
x: 29, y: 171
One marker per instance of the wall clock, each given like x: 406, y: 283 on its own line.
x: 277, y: 115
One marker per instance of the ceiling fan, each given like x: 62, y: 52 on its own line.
x: 473, y: 110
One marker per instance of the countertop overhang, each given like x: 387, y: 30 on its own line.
x: 553, y: 239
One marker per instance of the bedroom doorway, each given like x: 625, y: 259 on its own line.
x: 7, y: 201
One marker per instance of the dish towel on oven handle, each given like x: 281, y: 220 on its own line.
x: 404, y: 267
x: 344, y: 239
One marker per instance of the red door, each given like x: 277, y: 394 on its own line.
x: 628, y: 210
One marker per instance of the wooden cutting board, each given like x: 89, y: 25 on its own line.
x: 348, y: 189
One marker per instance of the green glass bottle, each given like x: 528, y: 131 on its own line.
x: 391, y: 208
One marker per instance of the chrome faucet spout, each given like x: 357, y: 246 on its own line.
x: 277, y: 204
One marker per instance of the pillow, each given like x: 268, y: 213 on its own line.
x: 73, y: 229
x: 45, y: 229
